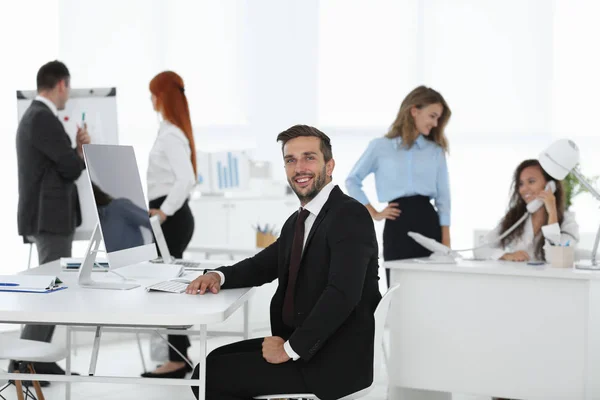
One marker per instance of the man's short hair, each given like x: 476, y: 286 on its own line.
x: 50, y: 74
x: 305, y: 130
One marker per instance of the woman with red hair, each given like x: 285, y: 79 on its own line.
x: 171, y: 177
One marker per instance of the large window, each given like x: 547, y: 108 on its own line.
x: 204, y: 42
x: 493, y: 63
x: 491, y: 60
x: 575, y: 89
x: 29, y: 40
x: 366, y: 60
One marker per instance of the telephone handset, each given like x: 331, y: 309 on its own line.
x: 537, y: 203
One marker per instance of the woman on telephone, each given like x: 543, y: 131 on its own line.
x: 549, y: 224
x: 409, y: 164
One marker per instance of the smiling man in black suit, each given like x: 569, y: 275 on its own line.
x: 326, y: 261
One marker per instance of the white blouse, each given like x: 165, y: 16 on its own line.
x: 170, y: 171
x: 568, y: 231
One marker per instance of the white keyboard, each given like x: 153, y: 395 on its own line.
x: 183, y: 263
x: 173, y: 286
x: 187, y: 264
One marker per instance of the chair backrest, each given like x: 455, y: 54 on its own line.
x: 381, y: 313
x: 380, y: 318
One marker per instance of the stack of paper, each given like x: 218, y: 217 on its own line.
x: 30, y: 283
x: 73, y: 264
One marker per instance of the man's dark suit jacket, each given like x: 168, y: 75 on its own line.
x: 48, y: 167
x: 335, y: 298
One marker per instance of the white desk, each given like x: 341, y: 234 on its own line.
x: 232, y: 252
x: 494, y: 328
x: 78, y: 306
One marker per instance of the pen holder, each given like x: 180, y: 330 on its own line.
x: 264, y: 240
x: 561, y: 256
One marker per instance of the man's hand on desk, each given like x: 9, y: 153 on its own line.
x: 273, y: 351
x: 210, y: 281
x: 516, y: 256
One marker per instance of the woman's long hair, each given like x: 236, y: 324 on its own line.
x: 171, y: 101
x: 404, y: 125
x: 517, y: 207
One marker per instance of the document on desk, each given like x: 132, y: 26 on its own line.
x: 30, y: 283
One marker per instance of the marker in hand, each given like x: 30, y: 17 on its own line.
x: 82, y: 134
x: 82, y: 126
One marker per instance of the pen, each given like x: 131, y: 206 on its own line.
x: 9, y: 284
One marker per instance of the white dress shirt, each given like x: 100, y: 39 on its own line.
x: 48, y: 103
x: 314, y: 207
x: 568, y: 231
x: 170, y: 170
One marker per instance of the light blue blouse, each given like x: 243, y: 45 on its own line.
x: 402, y: 172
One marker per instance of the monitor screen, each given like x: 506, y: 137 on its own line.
x: 120, y: 204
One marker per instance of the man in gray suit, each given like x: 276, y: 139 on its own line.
x: 48, y: 165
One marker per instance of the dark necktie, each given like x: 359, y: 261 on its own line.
x: 297, y: 244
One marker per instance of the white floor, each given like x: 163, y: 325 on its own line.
x: 122, y: 359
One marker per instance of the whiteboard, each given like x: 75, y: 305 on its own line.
x: 100, y: 108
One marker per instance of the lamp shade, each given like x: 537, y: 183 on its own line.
x: 560, y: 158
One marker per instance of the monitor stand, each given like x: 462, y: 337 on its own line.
x: 85, y: 271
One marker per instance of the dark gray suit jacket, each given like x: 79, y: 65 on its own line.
x: 336, y: 294
x: 48, y: 167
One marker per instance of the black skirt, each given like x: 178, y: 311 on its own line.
x: 417, y: 215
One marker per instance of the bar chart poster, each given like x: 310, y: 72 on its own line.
x: 230, y: 171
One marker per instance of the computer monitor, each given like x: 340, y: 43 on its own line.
x: 123, y: 220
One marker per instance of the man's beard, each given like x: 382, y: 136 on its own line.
x: 318, y: 184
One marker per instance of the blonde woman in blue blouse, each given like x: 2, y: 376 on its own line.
x: 410, y: 169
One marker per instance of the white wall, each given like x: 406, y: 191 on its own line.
x: 29, y: 32
x: 517, y: 74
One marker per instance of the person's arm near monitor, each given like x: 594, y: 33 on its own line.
x: 130, y: 212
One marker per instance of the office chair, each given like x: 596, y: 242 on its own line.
x: 26, y: 352
x: 380, y: 317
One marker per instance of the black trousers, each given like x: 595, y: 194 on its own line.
x: 238, y: 371
x: 178, y: 230
x: 418, y: 215
x: 50, y: 247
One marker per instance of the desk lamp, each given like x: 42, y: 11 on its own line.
x: 558, y: 160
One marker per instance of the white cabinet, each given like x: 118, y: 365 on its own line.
x: 229, y: 221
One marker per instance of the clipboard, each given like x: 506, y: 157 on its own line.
x: 30, y: 283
